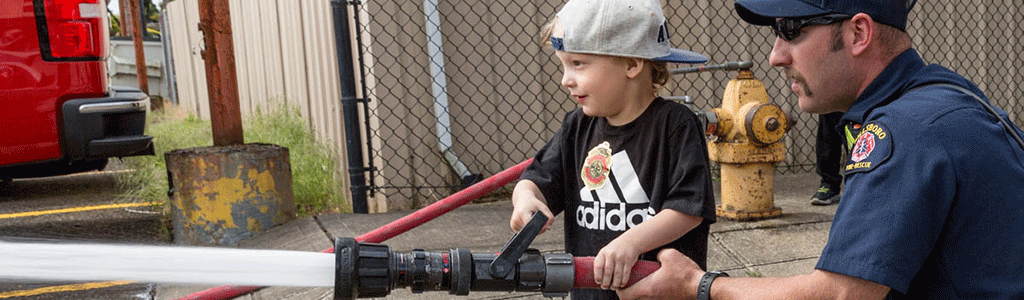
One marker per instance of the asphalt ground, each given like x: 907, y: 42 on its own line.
x: 78, y: 208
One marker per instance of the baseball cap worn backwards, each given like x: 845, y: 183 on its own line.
x: 763, y: 12
x: 627, y: 28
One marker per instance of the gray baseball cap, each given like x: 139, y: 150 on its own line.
x: 627, y: 28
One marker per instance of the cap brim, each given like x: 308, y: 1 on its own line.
x: 764, y: 12
x: 682, y: 56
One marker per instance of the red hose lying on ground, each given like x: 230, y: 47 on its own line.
x: 443, y: 206
x: 396, y: 227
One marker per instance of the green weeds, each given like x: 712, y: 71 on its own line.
x: 315, y: 183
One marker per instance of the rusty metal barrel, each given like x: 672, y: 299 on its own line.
x: 225, y: 194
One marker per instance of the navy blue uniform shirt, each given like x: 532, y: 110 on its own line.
x: 934, y: 186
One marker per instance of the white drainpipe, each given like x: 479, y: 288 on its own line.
x: 438, y: 84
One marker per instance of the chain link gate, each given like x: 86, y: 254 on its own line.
x: 461, y: 89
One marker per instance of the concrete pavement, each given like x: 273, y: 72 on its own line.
x: 788, y: 245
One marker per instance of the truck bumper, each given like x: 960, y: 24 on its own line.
x: 114, y: 126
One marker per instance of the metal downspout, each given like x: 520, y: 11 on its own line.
x: 438, y: 85
x: 349, y: 104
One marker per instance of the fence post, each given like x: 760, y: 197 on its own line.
x: 349, y: 102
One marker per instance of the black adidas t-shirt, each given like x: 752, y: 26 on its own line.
x: 607, y: 179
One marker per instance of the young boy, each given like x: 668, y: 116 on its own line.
x: 630, y: 169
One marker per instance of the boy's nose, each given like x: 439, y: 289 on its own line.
x: 567, y: 80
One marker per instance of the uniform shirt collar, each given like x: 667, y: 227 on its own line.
x: 888, y: 86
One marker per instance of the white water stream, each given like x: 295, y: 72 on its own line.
x: 165, y: 264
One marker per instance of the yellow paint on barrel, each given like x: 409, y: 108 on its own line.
x: 223, y: 196
x: 214, y: 199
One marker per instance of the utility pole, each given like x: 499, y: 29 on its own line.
x: 221, y: 81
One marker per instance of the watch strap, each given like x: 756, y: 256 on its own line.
x: 704, y: 288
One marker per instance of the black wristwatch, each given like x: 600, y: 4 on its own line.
x: 704, y: 289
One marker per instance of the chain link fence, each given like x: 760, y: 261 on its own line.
x: 462, y: 89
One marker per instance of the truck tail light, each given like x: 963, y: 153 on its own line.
x: 72, y: 29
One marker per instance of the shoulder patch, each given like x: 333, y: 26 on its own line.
x: 873, y: 146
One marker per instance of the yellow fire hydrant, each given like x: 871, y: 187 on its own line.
x: 745, y: 141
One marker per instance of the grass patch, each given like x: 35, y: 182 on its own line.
x: 314, y: 182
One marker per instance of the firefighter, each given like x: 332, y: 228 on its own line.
x: 932, y: 206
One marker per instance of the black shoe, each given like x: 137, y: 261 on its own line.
x: 826, y: 195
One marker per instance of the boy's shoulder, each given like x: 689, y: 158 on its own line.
x: 662, y: 108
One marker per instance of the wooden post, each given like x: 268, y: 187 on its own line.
x: 140, y: 55
x: 225, y: 113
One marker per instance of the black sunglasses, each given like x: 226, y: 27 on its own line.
x: 790, y: 29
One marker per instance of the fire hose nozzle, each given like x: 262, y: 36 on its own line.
x: 365, y: 270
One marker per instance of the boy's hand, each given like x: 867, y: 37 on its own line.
x: 523, y: 210
x: 526, y: 200
x: 613, y: 264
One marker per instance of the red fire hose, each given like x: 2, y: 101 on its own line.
x: 584, y: 267
x: 443, y: 206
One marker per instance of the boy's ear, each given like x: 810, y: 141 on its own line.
x: 634, y: 66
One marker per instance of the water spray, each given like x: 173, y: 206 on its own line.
x: 50, y: 261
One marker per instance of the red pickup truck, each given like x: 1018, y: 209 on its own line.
x: 57, y: 113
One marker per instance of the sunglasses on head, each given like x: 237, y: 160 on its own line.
x: 790, y: 29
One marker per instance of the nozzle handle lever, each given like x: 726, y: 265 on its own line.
x: 510, y: 253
